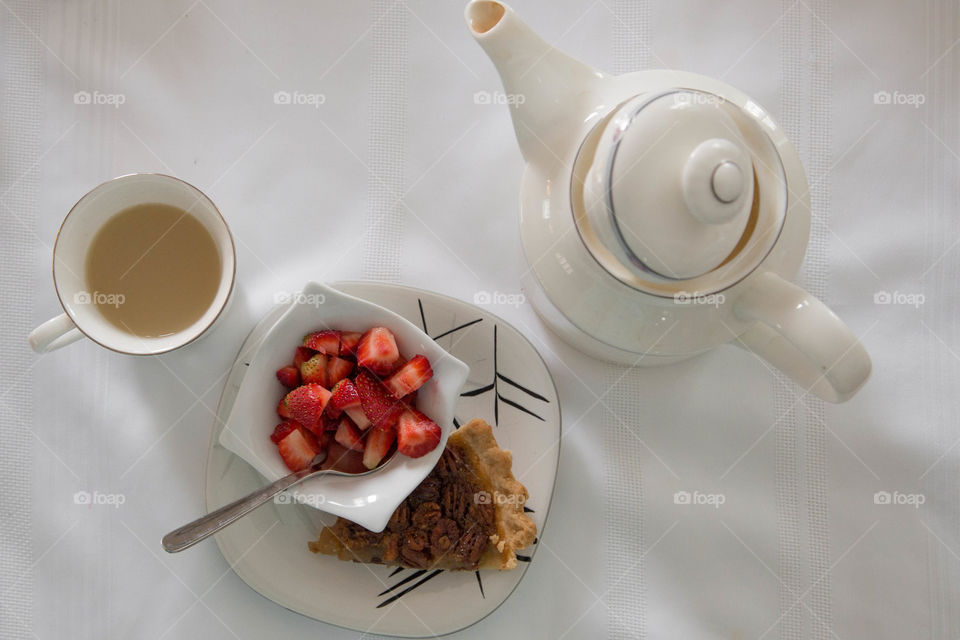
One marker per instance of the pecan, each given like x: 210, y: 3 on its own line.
x: 470, y: 547
x: 416, y: 540
x: 426, y: 515
x: 426, y: 491
x: 412, y: 550
x: 400, y: 519
x: 444, y: 535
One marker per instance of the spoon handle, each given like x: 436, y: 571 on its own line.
x: 205, y: 526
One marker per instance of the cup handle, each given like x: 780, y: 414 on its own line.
x: 54, y: 333
x: 802, y: 337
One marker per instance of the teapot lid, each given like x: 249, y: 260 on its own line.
x: 672, y: 181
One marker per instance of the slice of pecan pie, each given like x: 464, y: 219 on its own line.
x: 467, y: 514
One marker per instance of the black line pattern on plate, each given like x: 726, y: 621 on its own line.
x: 397, y: 596
x: 494, y: 386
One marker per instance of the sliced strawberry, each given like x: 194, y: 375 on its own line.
x: 410, y: 377
x: 337, y: 370
x: 314, y: 370
x: 326, y: 341
x: 359, y: 417
x: 301, y: 355
x: 348, y: 435
x: 328, y: 423
x: 296, y: 450
x: 417, y: 435
x: 332, y: 412
x: 349, y: 341
x: 343, y: 459
x: 282, y: 430
x: 377, y: 445
x: 289, y: 376
x: 396, y: 366
x: 378, y: 405
x: 410, y: 399
x: 282, y: 409
x: 378, y: 351
x: 306, y: 404
x: 344, y: 394
x: 318, y: 428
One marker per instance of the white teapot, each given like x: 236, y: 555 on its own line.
x: 662, y: 213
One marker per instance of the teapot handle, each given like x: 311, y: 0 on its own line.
x: 802, y: 337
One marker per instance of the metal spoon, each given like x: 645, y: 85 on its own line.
x: 205, y: 526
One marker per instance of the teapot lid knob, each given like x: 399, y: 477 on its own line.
x: 670, y: 187
x: 713, y: 181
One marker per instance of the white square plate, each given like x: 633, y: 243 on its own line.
x: 509, y: 387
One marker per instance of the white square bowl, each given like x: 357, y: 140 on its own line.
x: 367, y: 500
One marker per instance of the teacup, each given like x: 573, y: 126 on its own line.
x: 82, y: 316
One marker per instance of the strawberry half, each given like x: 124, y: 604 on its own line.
x: 377, y: 445
x: 378, y: 351
x: 378, y: 405
x: 314, y: 370
x: 417, y: 435
x: 349, y: 341
x: 306, y: 404
x: 301, y: 355
x: 337, y: 370
x: 348, y: 435
x: 410, y: 377
x: 289, y: 376
x: 346, y: 399
x: 282, y: 430
x: 298, y: 449
x: 326, y: 341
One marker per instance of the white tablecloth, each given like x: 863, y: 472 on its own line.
x: 800, y: 547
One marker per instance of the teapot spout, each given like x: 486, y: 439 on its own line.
x: 544, y: 87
